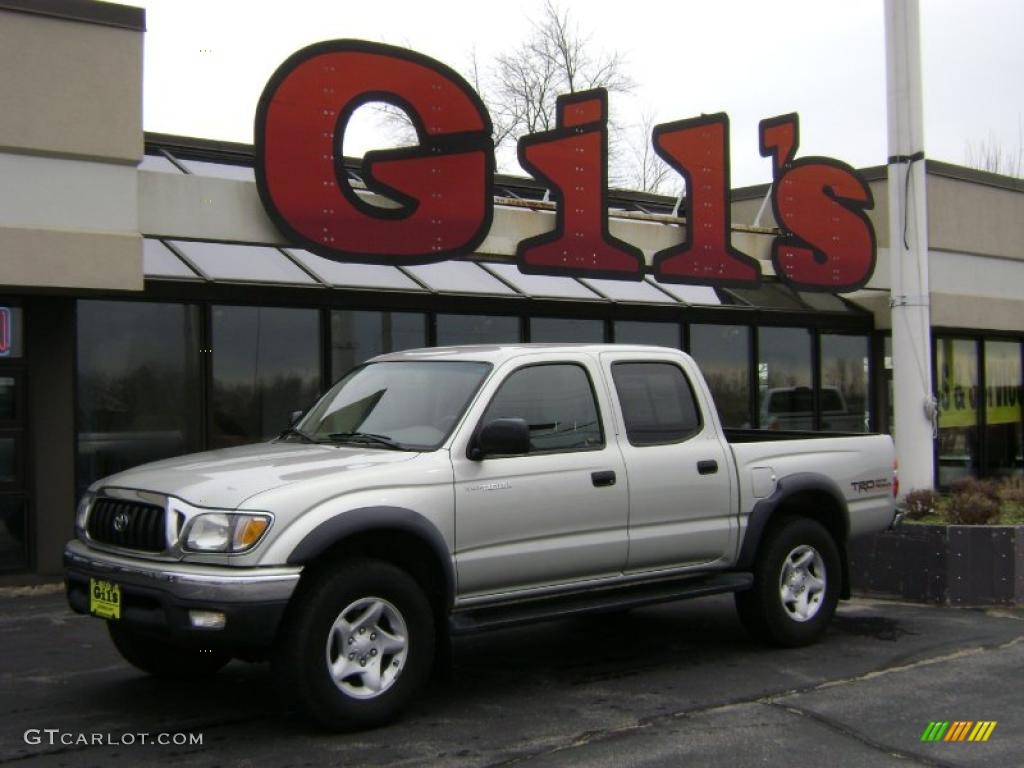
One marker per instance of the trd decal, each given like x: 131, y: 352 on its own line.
x: 572, y: 160
x: 827, y: 241
x: 443, y: 186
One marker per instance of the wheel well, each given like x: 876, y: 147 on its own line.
x: 400, y: 548
x: 816, y: 505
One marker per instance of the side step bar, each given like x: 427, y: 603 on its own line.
x: 595, y: 601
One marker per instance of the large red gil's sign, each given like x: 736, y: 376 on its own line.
x: 442, y: 189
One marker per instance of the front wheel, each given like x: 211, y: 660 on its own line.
x: 358, y: 645
x: 796, y: 584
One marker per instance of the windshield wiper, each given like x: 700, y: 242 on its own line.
x: 367, y: 437
x: 306, y: 437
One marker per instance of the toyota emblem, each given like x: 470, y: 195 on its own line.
x: 121, y: 521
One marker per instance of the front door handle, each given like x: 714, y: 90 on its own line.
x: 707, y: 467
x: 603, y: 479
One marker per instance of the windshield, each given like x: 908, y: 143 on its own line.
x: 404, y: 405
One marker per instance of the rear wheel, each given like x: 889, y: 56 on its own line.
x: 796, y: 584
x: 358, y: 645
x: 162, y: 659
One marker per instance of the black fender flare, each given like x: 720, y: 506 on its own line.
x: 767, y: 508
x: 367, y: 519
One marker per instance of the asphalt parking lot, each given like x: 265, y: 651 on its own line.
x: 672, y: 685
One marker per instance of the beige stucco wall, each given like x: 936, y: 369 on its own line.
x: 70, y: 88
x: 974, y: 217
x: 70, y: 136
x: 84, y: 260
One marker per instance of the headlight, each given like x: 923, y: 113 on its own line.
x: 224, y: 531
x: 82, y: 513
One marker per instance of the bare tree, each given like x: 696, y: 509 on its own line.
x: 556, y: 58
x: 641, y: 168
x: 989, y: 155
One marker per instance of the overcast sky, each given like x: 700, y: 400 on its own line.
x: 206, y: 62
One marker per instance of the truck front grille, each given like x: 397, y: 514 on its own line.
x: 128, y: 524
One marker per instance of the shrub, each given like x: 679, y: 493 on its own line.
x: 1011, y: 490
x: 969, y: 507
x: 921, y: 503
x: 971, y: 486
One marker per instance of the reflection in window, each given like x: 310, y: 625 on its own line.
x: 566, y: 330
x: 956, y: 362
x: 8, y: 404
x: 844, y: 383
x: 414, y: 404
x: 358, y: 335
x: 723, y: 353
x: 138, y: 384
x: 266, y: 364
x: 8, y: 460
x: 646, y: 332
x: 476, y: 329
x: 1005, y: 449
x: 657, y: 402
x: 13, y: 541
x: 784, y: 378
x: 557, y: 403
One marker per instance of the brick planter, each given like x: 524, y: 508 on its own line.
x: 945, y: 564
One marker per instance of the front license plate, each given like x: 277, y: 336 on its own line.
x: 104, y: 599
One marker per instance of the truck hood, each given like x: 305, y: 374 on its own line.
x: 225, y: 478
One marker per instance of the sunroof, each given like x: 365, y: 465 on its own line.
x: 243, y: 263
x: 542, y: 286
x: 629, y: 291
x: 158, y: 163
x: 349, y: 275
x: 158, y: 261
x: 690, y: 294
x: 459, y: 277
x: 220, y: 170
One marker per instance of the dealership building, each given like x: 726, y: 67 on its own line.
x: 149, y: 306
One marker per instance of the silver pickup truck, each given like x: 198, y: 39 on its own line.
x: 449, y: 490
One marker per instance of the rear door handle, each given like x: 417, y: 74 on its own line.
x: 707, y: 467
x: 603, y: 479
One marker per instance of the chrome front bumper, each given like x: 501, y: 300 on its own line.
x: 185, y: 581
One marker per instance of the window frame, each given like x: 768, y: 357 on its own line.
x: 553, y: 451
x: 701, y: 423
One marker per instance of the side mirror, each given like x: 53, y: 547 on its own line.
x: 294, y: 419
x: 501, y: 437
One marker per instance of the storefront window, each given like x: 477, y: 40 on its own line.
x: 844, y: 383
x: 784, y: 379
x: 358, y: 335
x: 956, y: 362
x: 13, y: 541
x: 1004, y: 446
x: 266, y: 364
x: 10, y: 331
x: 566, y: 330
x: 138, y: 384
x: 476, y: 329
x: 645, y: 332
x: 723, y: 353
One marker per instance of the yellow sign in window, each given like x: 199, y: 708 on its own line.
x: 104, y: 599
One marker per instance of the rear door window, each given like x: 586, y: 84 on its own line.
x: 658, y: 406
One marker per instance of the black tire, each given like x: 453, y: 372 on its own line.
x: 308, y: 643
x: 763, y: 610
x: 162, y: 659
